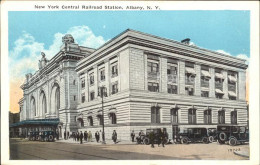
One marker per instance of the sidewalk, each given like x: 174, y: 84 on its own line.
x: 93, y: 142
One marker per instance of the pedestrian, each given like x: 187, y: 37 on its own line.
x: 81, y: 137
x: 68, y: 135
x: 164, y: 137
x: 159, y: 137
x: 64, y: 135
x: 114, y: 136
x: 77, y: 136
x: 57, y: 135
x: 151, y: 137
x: 133, y: 136
x: 85, y: 136
x: 89, y: 136
x: 73, y: 136
x: 96, y: 136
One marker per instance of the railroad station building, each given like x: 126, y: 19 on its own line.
x: 148, y: 81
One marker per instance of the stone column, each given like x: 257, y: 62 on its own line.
x: 212, y: 83
x: 145, y: 73
x: 163, y: 74
x: 181, y: 75
x: 225, y: 85
x: 241, y: 84
x: 197, y: 86
x: 108, y: 76
x: 95, y: 68
x: 86, y: 87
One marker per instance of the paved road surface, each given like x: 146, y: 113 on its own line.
x: 32, y: 150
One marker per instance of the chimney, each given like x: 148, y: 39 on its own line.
x: 186, y: 41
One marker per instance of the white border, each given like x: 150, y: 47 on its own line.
x: 254, y: 71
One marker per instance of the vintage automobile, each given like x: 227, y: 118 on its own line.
x: 212, y: 133
x: 34, y: 135
x: 145, y: 138
x: 232, y: 134
x: 47, y: 136
x: 191, y: 135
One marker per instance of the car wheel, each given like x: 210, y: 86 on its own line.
x: 33, y: 138
x: 211, y: 139
x: 146, y: 141
x: 232, y: 141
x: 222, y: 136
x: 184, y: 140
x: 51, y: 138
x: 205, y: 140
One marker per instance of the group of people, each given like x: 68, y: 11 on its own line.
x: 86, y: 136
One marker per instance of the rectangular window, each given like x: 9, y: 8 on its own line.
x: 153, y: 87
x: 152, y: 67
x: 189, y: 79
x: 114, y: 88
x: 100, y: 119
x: 189, y: 91
x: 102, y: 75
x: 204, y: 94
x: 155, y: 115
x: 204, y: 82
x: 174, y: 115
x: 192, y: 116
x: 92, y: 95
x: 114, y: 70
x: 102, y: 91
x: 234, y: 117
x: 83, y: 83
x: 172, y: 73
x: 221, y: 117
x: 172, y: 89
x: 219, y: 96
x: 219, y: 84
x: 207, y: 116
x: 83, y: 97
x: 91, y: 79
x: 112, y: 117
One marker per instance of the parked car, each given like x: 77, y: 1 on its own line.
x: 212, y: 133
x: 34, y: 135
x: 47, y: 136
x: 232, y: 134
x: 157, y: 132
x: 191, y: 135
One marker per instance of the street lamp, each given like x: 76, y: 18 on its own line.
x: 102, y: 92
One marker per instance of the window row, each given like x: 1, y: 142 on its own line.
x: 112, y: 120
x: 102, y: 92
x: 192, y: 116
x: 102, y: 76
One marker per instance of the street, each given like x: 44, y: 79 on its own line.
x: 22, y: 149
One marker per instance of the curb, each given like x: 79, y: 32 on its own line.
x: 243, y: 154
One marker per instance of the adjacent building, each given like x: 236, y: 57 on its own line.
x: 148, y: 82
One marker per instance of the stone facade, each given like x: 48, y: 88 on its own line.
x: 132, y: 69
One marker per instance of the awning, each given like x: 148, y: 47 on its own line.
x: 232, y: 94
x: 219, y: 75
x: 113, y: 110
x: 232, y: 79
x: 205, y: 73
x: 190, y: 70
x: 39, y: 122
x: 204, y: 89
x: 218, y: 91
x: 99, y: 113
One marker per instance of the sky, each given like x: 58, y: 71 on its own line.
x: 31, y: 32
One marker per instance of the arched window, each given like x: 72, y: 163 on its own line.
x: 174, y: 115
x: 192, y: 116
x: 100, y: 119
x: 155, y: 114
x: 221, y: 117
x: 33, y: 106
x: 90, y: 121
x: 112, y: 117
x: 55, y: 99
x: 80, y: 122
x: 207, y: 116
x: 234, y: 117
